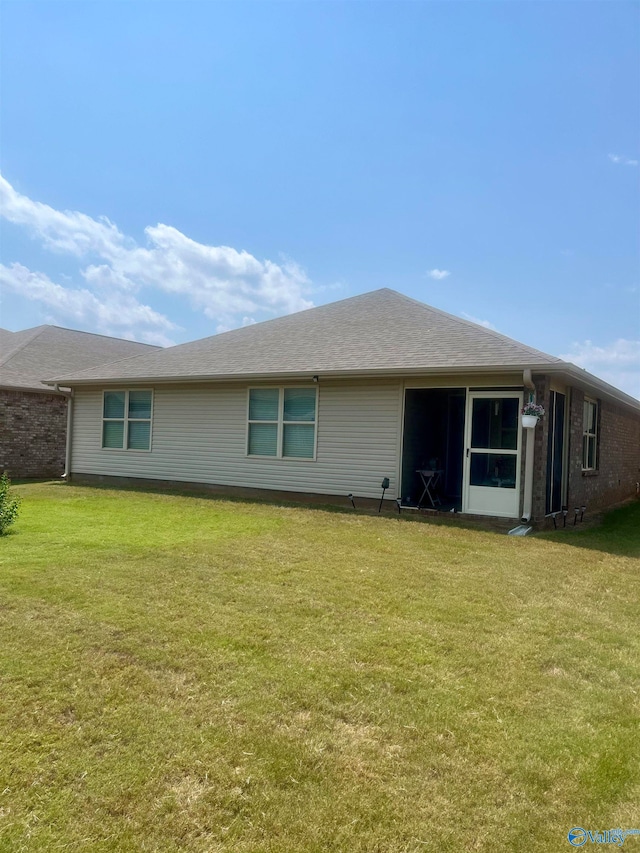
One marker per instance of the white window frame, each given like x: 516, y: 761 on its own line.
x: 590, y: 435
x: 281, y: 422
x: 126, y: 419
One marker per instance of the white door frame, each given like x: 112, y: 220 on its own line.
x: 482, y: 500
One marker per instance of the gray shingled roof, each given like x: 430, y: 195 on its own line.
x: 379, y: 331
x: 27, y: 357
x: 5, y: 337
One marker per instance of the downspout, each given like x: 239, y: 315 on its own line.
x: 67, y: 454
x: 528, y: 458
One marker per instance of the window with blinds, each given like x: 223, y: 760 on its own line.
x: 282, y: 422
x: 590, y: 435
x: 126, y: 420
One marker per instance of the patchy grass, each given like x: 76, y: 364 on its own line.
x: 190, y: 674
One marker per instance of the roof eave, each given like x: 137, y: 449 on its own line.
x: 592, y: 384
x: 37, y: 389
x: 298, y: 375
x: 564, y: 369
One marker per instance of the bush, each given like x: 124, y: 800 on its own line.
x: 9, y: 505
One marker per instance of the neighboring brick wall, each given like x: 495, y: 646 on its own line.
x: 33, y: 430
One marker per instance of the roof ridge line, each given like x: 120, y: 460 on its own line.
x: 115, y: 360
x: 38, y: 331
x: 493, y: 332
x: 100, y: 335
x: 281, y: 317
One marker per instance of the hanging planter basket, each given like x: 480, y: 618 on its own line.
x: 531, y: 414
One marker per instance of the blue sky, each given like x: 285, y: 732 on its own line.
x: 170, y: 170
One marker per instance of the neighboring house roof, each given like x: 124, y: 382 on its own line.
x: 27, y: 357
x: 5, y: 337
x: 377, y: 333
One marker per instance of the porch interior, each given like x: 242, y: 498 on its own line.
x: 433, y: 441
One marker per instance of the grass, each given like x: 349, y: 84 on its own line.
x: 190, y: 674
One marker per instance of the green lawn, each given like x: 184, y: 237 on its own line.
x: 189, y: 674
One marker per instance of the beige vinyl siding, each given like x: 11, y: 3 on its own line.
x: 472, y: 381
x: 200, y: 435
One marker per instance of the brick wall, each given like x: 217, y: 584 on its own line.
x: 618, y: 465
x: 541, y: 432
x: 618, y: 455
x: 33, y: 430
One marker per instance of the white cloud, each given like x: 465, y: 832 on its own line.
x: 617, y: 363
x: 485, y: 323
x: 66, y: 231
x: 622, y: 161
x: 119, y: 310
x: 222, y: 282
x: 438, y: 274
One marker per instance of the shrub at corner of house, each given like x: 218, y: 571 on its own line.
x: 9, y: 504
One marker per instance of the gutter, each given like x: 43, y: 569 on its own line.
x: 527, y: 503
x: 588, y: 382
x: 35, y: 389
x: 298, y: 375
x: 564, y: 369
x: 67, y: 453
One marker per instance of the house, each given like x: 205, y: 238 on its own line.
x: 33, y: 416
x: 331, y: 400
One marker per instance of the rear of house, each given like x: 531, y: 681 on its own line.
x: 308, y: 404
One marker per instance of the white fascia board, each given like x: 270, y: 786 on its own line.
x: 588, y: 382
x: 569, y: 372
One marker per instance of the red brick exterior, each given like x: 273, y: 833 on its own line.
x: 540, y: 451
x: 33, y: 430
x: 618, y: 462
